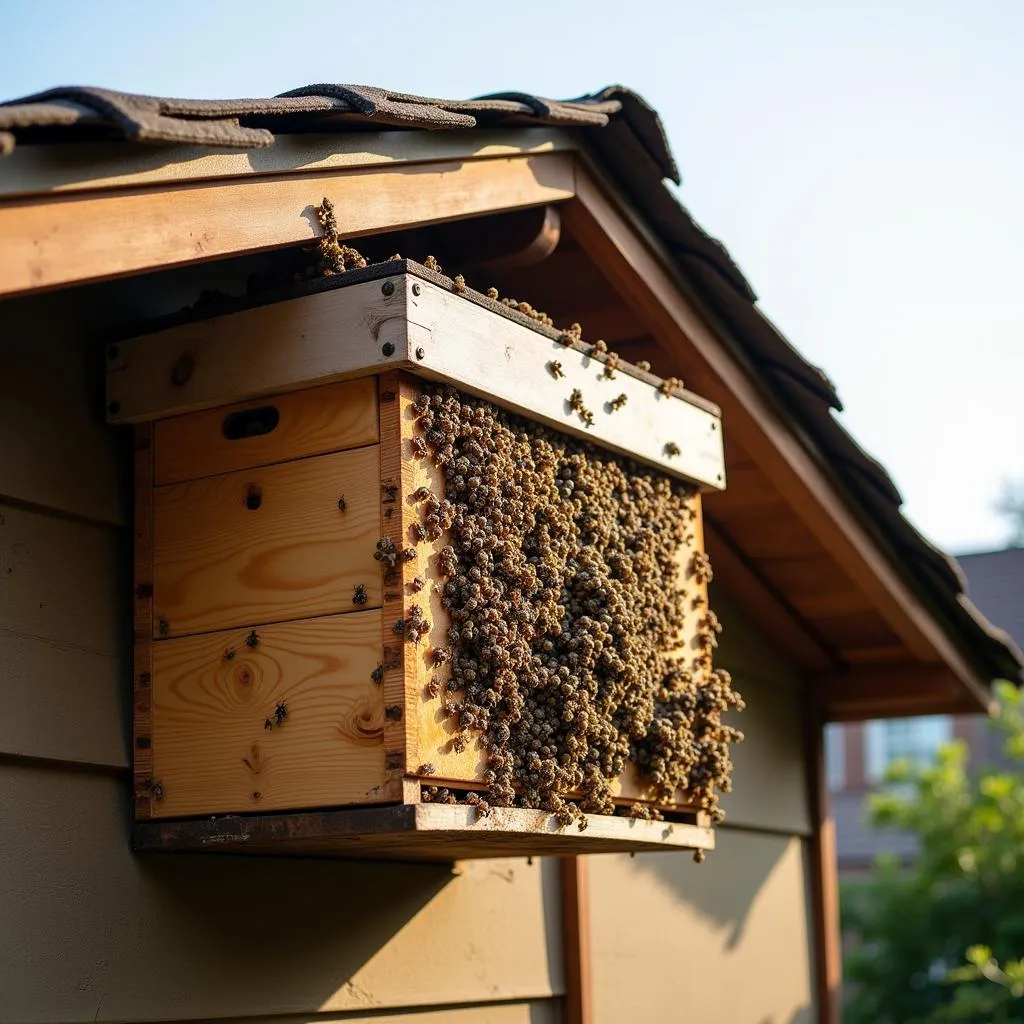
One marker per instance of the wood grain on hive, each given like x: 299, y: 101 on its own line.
x: 261, y: 599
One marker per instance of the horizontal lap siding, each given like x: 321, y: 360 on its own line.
x: 770, y: 782
x: 92, y: 931
x: 724, y: 942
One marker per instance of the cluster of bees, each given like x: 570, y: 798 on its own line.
x: 566, y: 646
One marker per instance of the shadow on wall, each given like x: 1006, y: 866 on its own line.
x: 723, y: 889
x: 95, y: 932
x: 322, y: 919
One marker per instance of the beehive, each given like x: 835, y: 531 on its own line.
x: 301, y: 589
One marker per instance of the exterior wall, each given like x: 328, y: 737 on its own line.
x: 728, y: 941
x: 89, y: 931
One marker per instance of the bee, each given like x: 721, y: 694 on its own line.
x: 268, y: 724
x: 610, y: 365
x: 421, y: 494
x: 391, y: 492
x: 417, y: 583
x: 419, y: 531
x: 555, y: 367
x: 342, y: 504
x: 672, y: 449
x: 459, y: 283
x: 699, y: 856
x: 600, y: 347
x: 154, y: 787
x: 617, y: 403
x: 576, y: 400
x: 492, y: 293
x: 419, y: 447
x: 670, y: 384
x: 280, y: 712
x: 409, y: 555
x: 441, y: 655
x: 252, y: 640
x: 377, y: 674
x: 163, y: 626
x: 359, y: 594
x: 431, y: 264
x: 388, y: 513
x: 644, y: 366
x: 399, y: 626
x: 433, y: 688
x: 426, y: 769
x: 229, y: 654
x: 458, y: 743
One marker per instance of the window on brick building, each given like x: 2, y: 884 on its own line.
x: 835, y: 756
x: 913, y: 739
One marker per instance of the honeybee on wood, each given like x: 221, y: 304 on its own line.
x: 555, y: 367
x: 359, y: 594
x: 426, y: 769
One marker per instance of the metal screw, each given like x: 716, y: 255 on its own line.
x: 388, y: 287
x: 388, y: 349
x: 416, y: 288
x: 420, y: 353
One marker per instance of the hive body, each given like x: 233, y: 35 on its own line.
x: 286, y: 670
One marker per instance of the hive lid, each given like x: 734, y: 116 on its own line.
x: 400, y: 315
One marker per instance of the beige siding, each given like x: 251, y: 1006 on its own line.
x: 94, y: 932
x: 724, y: 942
x: 769, y: 784
x: 89, y: 931
x: 63, y: 638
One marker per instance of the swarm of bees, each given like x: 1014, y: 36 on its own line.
x: 335, y: 258
x: 567, y: 611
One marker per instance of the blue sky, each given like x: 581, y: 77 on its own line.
x: 861, y: 160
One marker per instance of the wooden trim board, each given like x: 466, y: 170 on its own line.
x: 439, y: 833
x: 50, y: 243
x: 824, y: 879
x: 576, y: 945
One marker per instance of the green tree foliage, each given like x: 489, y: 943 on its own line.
x: 912, y: 934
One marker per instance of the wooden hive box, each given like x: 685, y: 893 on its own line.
x: 288, y: 691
